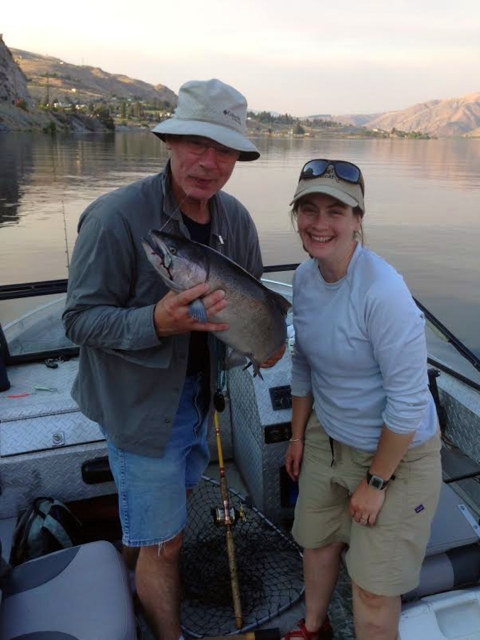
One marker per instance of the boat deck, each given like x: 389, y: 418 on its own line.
x: 340, y: 611
x: 44, y: 440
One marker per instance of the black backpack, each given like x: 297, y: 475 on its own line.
x: 47, y: 526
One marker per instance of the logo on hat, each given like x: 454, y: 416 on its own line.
x: 227, y: 112
x: 330, y: 173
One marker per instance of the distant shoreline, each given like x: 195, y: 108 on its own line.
x: 15, y: 119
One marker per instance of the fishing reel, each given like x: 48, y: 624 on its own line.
x: 234, y: 515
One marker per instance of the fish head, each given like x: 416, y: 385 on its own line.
x: 180, y: 262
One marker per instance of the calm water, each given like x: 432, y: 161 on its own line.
x: 423, y: 206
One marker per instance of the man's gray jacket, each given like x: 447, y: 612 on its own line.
x: 129, y: 381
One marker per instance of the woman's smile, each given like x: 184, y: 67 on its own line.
x: 321, y: 239
x: 327, y: 228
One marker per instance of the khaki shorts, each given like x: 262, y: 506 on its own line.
x: 386, y: 558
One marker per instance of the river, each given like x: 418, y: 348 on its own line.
x: 422, y: 199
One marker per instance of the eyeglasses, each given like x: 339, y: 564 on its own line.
x: 198, y: 146
x: 343, y: 170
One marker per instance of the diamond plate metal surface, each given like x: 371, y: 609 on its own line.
x: 44, y: 439
x: 462, y: 405
x: 56, y: 472
x: 39, y: 413
x: 47, y: 432
x: 38, y: 390
x: 252, y: 411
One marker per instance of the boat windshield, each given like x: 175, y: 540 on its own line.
x: 37, y: 332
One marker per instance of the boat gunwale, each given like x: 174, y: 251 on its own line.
x: 52, y: 287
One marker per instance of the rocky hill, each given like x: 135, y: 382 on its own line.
x: 439, y: 118
x: 53, y: 80
x: 19, y: 112
x: 355, y: 120
x: 442, y: 118
x: 13, y: 83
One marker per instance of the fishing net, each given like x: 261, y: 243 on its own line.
x: 269, y: 567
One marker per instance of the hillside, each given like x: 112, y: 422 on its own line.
x: 53, y: 80
x: 441, y: 118
x: 30, y: 79
x: 13, y: 84
x: 19, y: 112
x: 354, y: 120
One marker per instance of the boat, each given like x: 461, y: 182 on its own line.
x: 48, y: 448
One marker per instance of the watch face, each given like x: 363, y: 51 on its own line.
x: 376, y: 482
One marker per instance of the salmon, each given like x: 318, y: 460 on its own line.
x: 256, y: 315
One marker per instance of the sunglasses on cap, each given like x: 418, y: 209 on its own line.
x: 343, y: 170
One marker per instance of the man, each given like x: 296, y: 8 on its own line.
x: 147, y: 368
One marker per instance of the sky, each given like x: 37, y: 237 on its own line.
x: 302, y: 58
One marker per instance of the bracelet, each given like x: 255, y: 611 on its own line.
x: 296, y: 440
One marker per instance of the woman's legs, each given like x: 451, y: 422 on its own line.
x: 320, y: 571
x: 375, y: 617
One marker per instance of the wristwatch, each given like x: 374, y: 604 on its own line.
x: 376, y: 482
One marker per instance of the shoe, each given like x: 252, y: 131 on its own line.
x: 324, y: 633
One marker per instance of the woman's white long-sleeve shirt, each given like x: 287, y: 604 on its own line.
x: 360, y: 349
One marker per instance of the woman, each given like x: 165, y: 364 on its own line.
x: 367, y: 457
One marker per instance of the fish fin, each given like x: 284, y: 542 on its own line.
x: 197, y: 311
x: 235, y: 359
x: 281, y: 302
x: 256, y: 371
x: 256, y: 368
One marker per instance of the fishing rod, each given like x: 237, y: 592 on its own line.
x: 66, y: 236
x: 227, y: 517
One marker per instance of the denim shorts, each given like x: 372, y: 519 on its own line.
x: 152, y: 491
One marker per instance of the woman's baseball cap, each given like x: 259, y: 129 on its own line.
x: 340, y: 179
x: 211, y: 109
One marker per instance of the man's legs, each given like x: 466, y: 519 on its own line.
x: 158, y: 587
x: 152, y: 504
x: 375, y: 617
x: 130, y: 555
x: 320, y: 571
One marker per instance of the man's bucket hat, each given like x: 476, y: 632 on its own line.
x: 212, y: 109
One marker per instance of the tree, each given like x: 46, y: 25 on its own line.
x: 103, y: 114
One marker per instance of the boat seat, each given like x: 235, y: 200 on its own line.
x: 453, y: 551
x: 80, y: 593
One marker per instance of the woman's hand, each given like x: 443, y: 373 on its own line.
x: 273, y: 359
x: 293, y: 459
x: 365, y: 503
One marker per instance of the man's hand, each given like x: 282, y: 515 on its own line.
x: 273, y: 359
x: 365, y: 503
x: 172, y: 317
